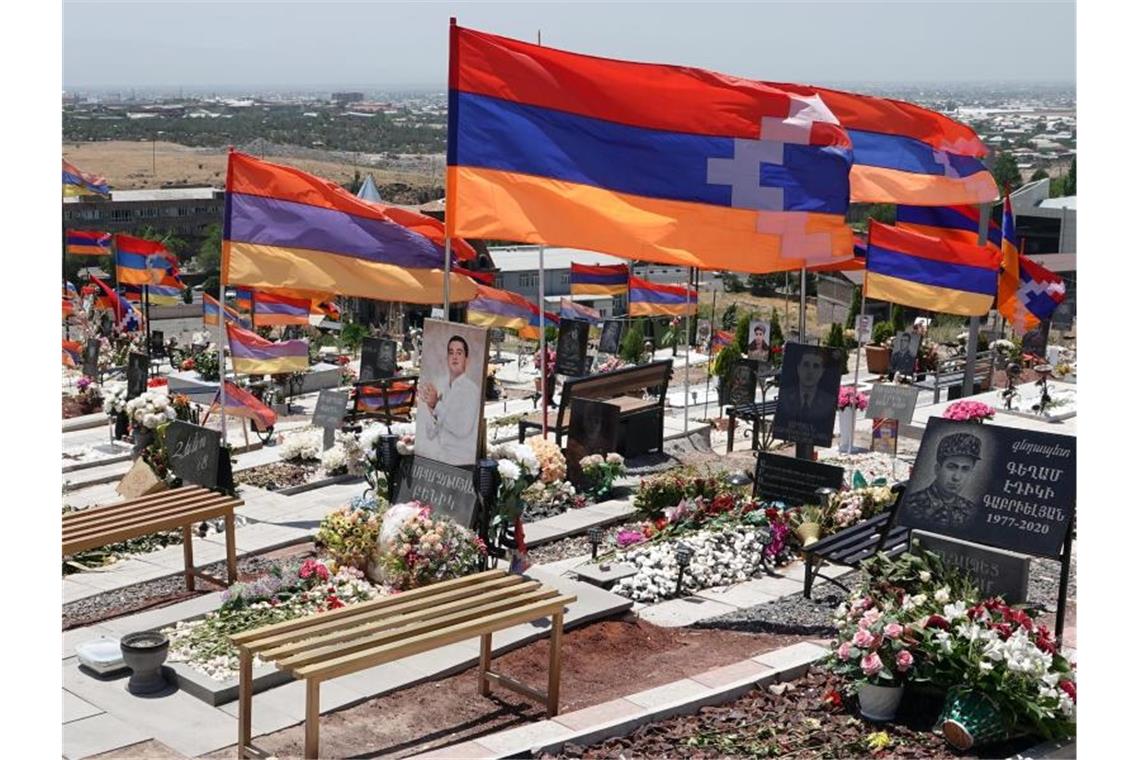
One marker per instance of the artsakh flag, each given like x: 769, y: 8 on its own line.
x: 1028, y: 293
x: 722, y: 339
x: 650, y: 299
x: 270, y: 309
x: 492, y: 307
x: 254, y: 355
x: 644, y: 161
x: 242, y: 403
x: 285, y: 228
x: 88, y: 243
x: 599, y: 279
x: 931, y: 273
x: 139, y: 261
x: 76, y: 182
x: 904, y: 153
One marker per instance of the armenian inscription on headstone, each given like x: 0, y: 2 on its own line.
x: 449, y: 490
x: 194, y: 452
x: 892, y: 402
x: 329, y: 413
x: 996, y: 572
x: 570, y: 359
x: 793, y: 481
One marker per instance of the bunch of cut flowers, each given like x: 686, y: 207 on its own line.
x: 348, y: 535
x: 850, y: 397
x: 969, y: 411
x: 601, y: 471
x: 415, y: 549
x: 150, y: 410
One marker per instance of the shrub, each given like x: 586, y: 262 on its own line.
x: 631, y: 344
x: 836, y: 339
x: 881, y: 333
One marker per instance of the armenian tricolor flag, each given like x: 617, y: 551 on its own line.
x: 166, y: 293
x: 652, y: 162
x: 722, y: 339
x: 111, y: 300
x: 649, y: 299
x: 76, y: 182
x: 396, y: 398
x: 72, y: 353
x: 270, y: 309
x: 242, y: 403
x: 88, y: 243
x: 244, y: 299
x: 492, y: 307
x: 904, y: 153
x: 284, y: 228
x: 955, y: 223
x: 1027, y: 292
x: 570, y: 310
x: 929, y: 273
x: 254, y: 355
x: 210, y: 313
x: 599, y: 279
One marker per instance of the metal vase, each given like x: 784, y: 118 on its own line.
x: 879, y: 703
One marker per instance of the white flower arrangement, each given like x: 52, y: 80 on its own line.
x: 150, y: 410
x: 302, y: 445
x: 114, y: 398
x: 334, y: 460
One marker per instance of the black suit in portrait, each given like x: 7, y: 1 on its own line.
x: 809, y: 420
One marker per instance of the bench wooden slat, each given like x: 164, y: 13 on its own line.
x: 360, y: 642
x: 391, y: 614
x: 350, y: 663
x: 162, y: 497
x: 248, y: 639
x: 100, y: 516
x: 127, y: 531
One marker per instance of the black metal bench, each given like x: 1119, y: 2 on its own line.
x: 629, y: 383
x: 759, y: 413
x: 856, y: 543
x: 951, y: 373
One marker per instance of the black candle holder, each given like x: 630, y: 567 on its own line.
x: 684, y: 555
x: 389, y: 456
x: 487, y: 489
x: 1012, y: 375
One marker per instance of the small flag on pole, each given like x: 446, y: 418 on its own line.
x: 76, y: 182
x: 88, y: 243
x: 650, y: 299
x: 254, y: 355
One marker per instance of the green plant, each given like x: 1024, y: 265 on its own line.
x: 632, y: 343
x: 352, y: 335
x: 898, y: 319
x: 728, y: 319
x: 776, y: 335
x: 206, y: 363
x: 836, y: 339
x: 741, y: 339
x: 882, y: 332
x: 660, y: 492
x: 854, y: 308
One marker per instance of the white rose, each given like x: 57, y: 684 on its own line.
x: 942, y: 595
x: 924, y: 576
x: 508, y: 470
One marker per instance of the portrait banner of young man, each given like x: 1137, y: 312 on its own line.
x: 808, y: 395
x: 449, y: 400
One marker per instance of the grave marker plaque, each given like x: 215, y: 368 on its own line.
x: 892, y: 402
x: 863, y: 327
x: 885, y: 436
x: 194, y: 453
x: 593, y: 430
x: 742, y: 382
x: 612, y: 332
x: 378, y: 358
x: 91, y: 358
x: 791, y: 480
x: 996, y: 572
x: 904, y: 352
x: 449, y: 490
x: 997, y: 486
x: 570, y: 359
x: 329, y: 412
x: 138, y: 369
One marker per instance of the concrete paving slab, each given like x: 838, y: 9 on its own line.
x: 77, y: 636
x: 745, y: 671
x: 669, y: 694
x: 684, y: 611
x: 792, y: 661
x: 165, y: 616
x: 739, y: 595
x: 98, y: 734
x: 615, y: 709
x: 613, y: 510
x: 519, y: 740
x: 75, y: 708
x: 74, y: 590
x: 122, y: 573
x: 170, y: 557
x: 466, y: 751
x: 260, y: 537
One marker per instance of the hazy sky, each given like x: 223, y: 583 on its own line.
x: 289, y: 44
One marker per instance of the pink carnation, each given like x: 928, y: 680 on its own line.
x: 904, y: 660
x: 871, y: 664
x: 964, y: 411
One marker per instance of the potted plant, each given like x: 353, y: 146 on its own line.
x: 969, y: 411
x: 878, y: 351
x: 877, y: 652
x: 849, y: 400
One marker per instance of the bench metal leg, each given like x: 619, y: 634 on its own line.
x: 231, y: 550
x: 312, y: 718
x: 188, y: 556
x: 555, y: 666
x: 731, y: 430
x: 484, y: 664
x: 245, y: 701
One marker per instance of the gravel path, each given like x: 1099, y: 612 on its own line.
x: 576, y: 546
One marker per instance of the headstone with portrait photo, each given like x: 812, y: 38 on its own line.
x: 450, y: 393
x: 138, y: 371
x: 570, y: 357
x: 704, y: 333
x: 612, y: 332
x: 892, y: 402
x: 1005, y: 487
x: 904, y: 353
x: 593, y: 430
x: 809, y: 394
x: 448, y: 490
x: 377, y: 358
x: 864, y: 324
x: 157, y: 343
x: 742, y: 383
x: 759, y: 343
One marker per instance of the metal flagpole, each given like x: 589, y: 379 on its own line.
x: 222, y: 340
x: 542, y: 331
x: 984, y: 211
x: 688, y: 310
x: 712, y: 339
x: 803, y: 305
x: 858, y: 353
x: 447, y: 278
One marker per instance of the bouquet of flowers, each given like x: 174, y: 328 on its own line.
x: 612, y: 363
x: 658, y: 492
x: 601, y: 472
x: 875, y: 644
x: 187, y: 364
x: 969, y: 411
x: 518, y: 469
x: 422, y: 550
x: 850, y: 397
x: 345, y: 456
x: 551, y: 462
x: 349, y: 535
x: 302, y: 445
x: 150, y: 410
x: 181, y: 405
x: 115, y: 399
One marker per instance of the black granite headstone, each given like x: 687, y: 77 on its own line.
x: 809, y: 393
x: 91, y: 358
x: 448, y: 490
x: 904, y: 352
x: 612, y: 332
x: 995, y: 571
x: 1036, y: 340
x: 1005, y: 487
x: 193, y: 452
x: 892, y: 402
x: 570, y: 359
x: 329, y: 412
x: 593, y: 430
x: 138, y: 369
x: 742, y: 382
x: 157, y: 343
x: 793, y: 481
x: 370, y: 359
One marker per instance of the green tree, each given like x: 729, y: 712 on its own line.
x: 741, y: 339
x: 855, y: 307
x: 1006, y: 173
x: 775, y: 334
x: 1070, y: 186
x: 836, y: 339
x: 209, y: 256
x: 731, y: 282
x: 1039, y: 174
x: 728, y: 319
x: 884, y: 213
x: 898, y: 319
x: 631, y: 344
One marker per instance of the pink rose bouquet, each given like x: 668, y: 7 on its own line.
x: 969, y: 411
x: 849, y: 397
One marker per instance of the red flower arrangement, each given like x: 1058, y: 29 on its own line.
x: 156, y: 382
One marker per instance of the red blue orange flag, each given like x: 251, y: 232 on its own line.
x: 284, y: 228
x: 652, y: 162
x: 955, y: 223
x: 76, y: 182
x: 120, y: 307
x: 722, y: 339
x: 270, y: 309
x: 1027, y: 292
x: 88, y: 243
x: 599, y: 279
x: 139, y: 261
x: 931, y: 273
x: 244, y: 299
x: 650, y: 299
x: 210, y: 311
x: 904, y: 153
x: 570, y: 310
x: 242, y: 403
x: 72, y: 353
x: 254, y: 355
x: 492, y: 307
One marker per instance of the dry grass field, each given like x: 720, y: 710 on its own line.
x: 139, y: 166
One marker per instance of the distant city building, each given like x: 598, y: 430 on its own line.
x: 187, y: 211
x: 1047, y: 228
x: 344, y: 98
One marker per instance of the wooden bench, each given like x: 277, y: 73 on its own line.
x: 166, y: 510
x: 327, y: 645
x: 757, y: 412
x: 950, y: 373
x: 856, y: 543
x: 389, y: 399
x: 625, y: 388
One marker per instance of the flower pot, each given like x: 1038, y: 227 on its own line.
x: 846, y: 428
x: 122, y: 426
x: 879, y: 703
x: 144, y: 654
x: 970, y: 718
x: 141, y: 437
x: 808, y: 533
x: 878, y: 359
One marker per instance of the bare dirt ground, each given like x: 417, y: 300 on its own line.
x: 140, y: 166
x: 601, y: 661
x: 788, y: 310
